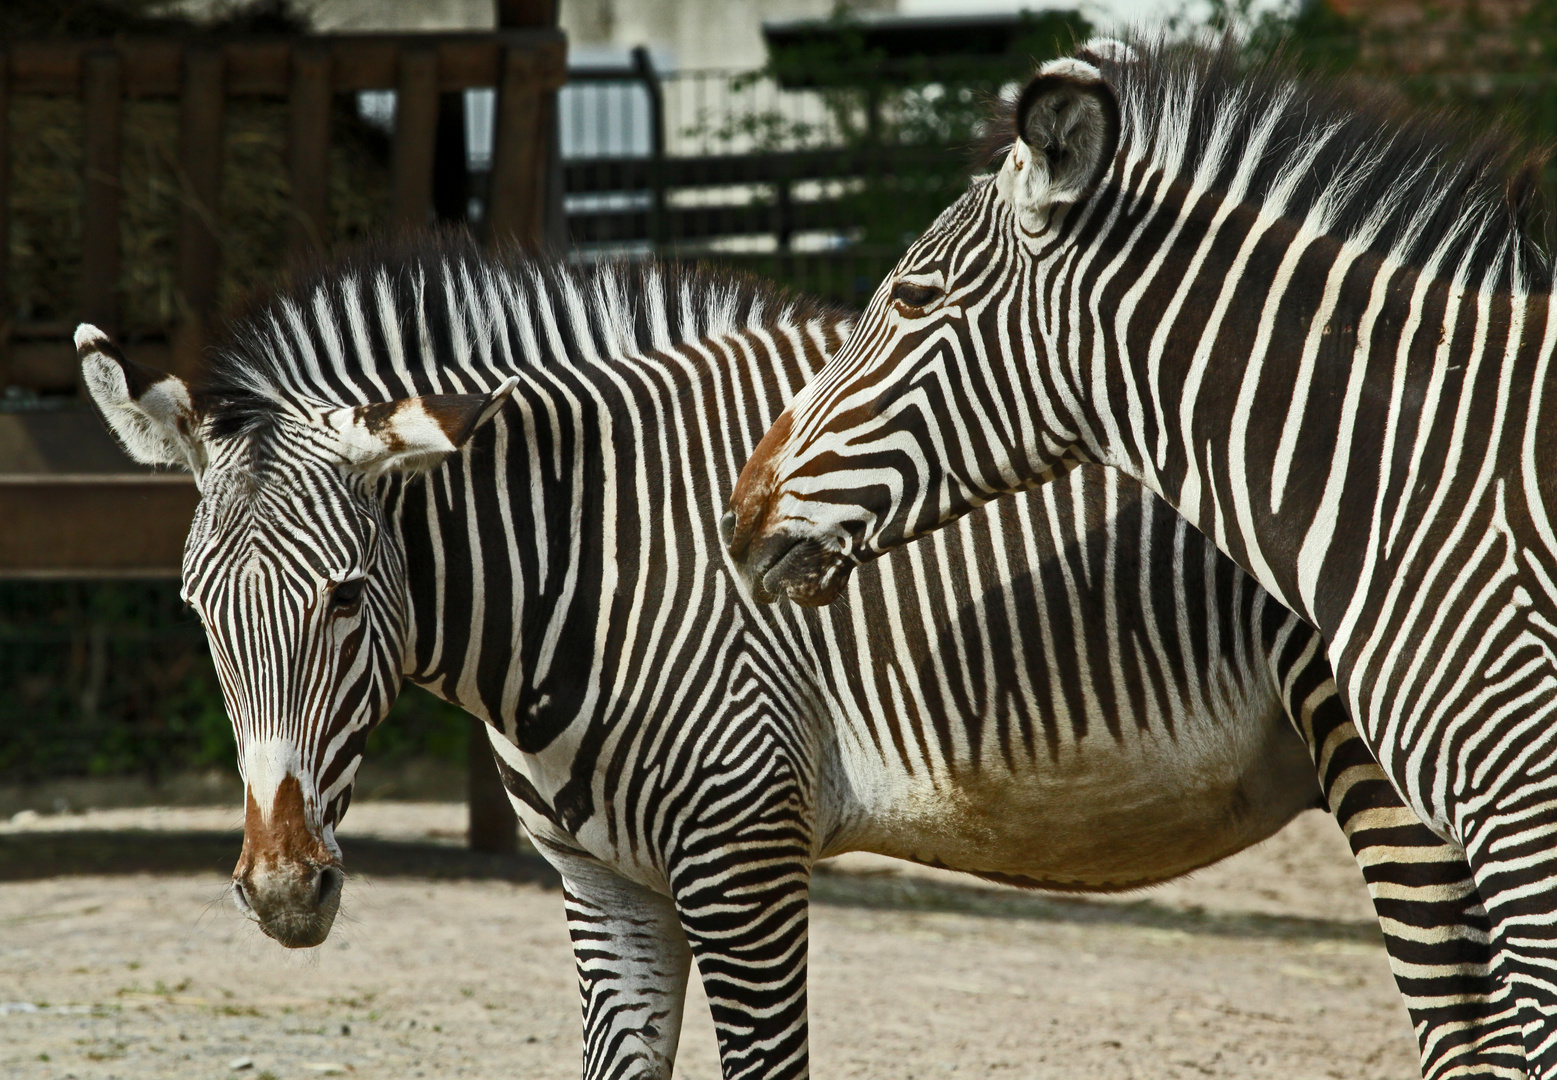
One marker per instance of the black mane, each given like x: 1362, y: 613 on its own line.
x: 256, y: 372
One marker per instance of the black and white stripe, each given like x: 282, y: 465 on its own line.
x: 1071, y: 689
x: 1319, y: 330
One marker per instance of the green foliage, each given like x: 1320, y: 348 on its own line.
x: 115, y: 679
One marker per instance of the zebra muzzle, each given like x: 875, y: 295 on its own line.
x: 805, y: 569
x: 287, y: 880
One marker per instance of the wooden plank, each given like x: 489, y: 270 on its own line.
x: 514, y: 200
x: 416, y: 134
x: 262, y: 66
x: 199, y: 246
x: 94, y: 525
x: 259, y: 68
x: 102, y: 92
x: 309, y: 148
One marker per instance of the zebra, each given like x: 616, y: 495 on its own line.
x: 500, y: 479
x: 1314, y: 324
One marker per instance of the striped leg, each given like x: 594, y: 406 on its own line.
x: 743, y: 894
x: 633, y: 963
x: 1510, y: 856
x: 1435, y: 928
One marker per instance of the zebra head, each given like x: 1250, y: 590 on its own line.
x: 300, y: 581
x: 875, y: 451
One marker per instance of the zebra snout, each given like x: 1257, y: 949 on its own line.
x: 295, y: 904
x: 288, y: 879
x: 807, y: 569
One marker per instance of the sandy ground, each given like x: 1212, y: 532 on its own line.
x: 448, y: 965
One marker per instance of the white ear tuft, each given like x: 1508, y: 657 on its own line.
x: 151, y: 412
x: 1067, y: 131
x: 1109, y: 51
x: 413, y: 434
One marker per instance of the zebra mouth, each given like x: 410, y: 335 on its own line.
x: 809, y: 571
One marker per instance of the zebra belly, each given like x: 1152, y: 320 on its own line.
x: 1070, y: 688
x: 1104, y: 815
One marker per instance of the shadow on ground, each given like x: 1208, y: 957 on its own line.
x: 30, y: 856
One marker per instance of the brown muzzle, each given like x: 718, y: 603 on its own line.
x: 287, y: 880
x: 749, y: 502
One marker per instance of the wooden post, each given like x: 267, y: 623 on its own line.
x: 102, y: 93
x: 416, y: 130
x: 7, y: 311
x: 199, y: 245
x: 309, y: 148
x: 515, y: 205
x: 493, y: 826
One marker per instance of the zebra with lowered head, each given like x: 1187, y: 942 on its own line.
x: 1317, y: 327
x: 501, y: 479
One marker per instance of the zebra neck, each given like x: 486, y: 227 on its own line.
x: 1312, y: 408
x: 507, y: 551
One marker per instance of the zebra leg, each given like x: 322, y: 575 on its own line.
x: 633, y: 962
x: 741, y: 875
x: 1436, y: 930
x: 749, y: 938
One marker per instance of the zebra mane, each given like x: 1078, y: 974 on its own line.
x: 383, y: 322
x: 1418, y: 186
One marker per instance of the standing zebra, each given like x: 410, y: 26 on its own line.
x: 1318, y: 330
x: 500, y: 481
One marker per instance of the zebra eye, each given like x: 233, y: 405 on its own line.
x: 346, y: 595
x: 914, y: 295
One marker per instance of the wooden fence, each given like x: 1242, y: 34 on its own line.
x: 202, y: 75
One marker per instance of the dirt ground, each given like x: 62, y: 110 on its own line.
x: 446, y: 964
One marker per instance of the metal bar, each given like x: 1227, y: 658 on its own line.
x: 102, y: 91
x: 583, y: 176
x: 651, y: 85
x: 699, y: 222
x: 416, y: 133
x: 199, y: 245
x: 309, y: 147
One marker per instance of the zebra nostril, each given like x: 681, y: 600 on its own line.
x: 330, y: 883
x: 727, y: 528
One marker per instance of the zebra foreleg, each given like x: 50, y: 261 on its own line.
x: 1436, y: 930
x: 741, y: 873
x: 633, y: 962
x: 749, y: 937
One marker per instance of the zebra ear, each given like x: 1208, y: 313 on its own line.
x: 413, y: 434
x: 1067, y: 130
x: 150, y: 412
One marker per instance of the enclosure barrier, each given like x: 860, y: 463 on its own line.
x: 70, y: 505
x: 525, y: 66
